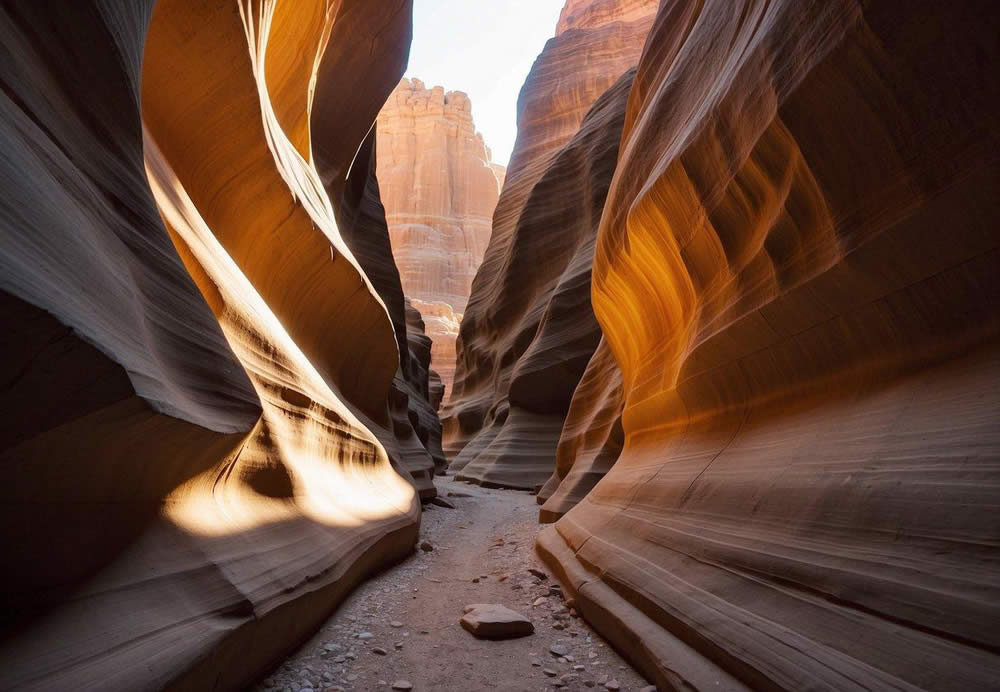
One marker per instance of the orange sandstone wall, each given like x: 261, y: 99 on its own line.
x: 440, y: 188
x: 203, y: 379
x: 544, y: 221
x: 797, y: 272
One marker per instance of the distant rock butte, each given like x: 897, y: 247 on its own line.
x: 439, y: 187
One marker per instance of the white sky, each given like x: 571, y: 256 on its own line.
x: 484, y: 48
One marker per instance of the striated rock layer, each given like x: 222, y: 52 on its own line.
x: 516, y: 448
x: 439, y: 186
x: 198, y: 372
x: 514, y: 378
x: 797, y: 272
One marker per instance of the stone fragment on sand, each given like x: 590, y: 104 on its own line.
x: 402, y: 685
x: 441, y: 502
x: 612, y: 685
x: 648, y: 688
x: 426, y: 546
x: 549, y: 672
x: 538, y: 573
x: 395, y: 623
x: 494, y: 621
x: 558, y: 649
x: 365, y: 636
x: 380, y: 651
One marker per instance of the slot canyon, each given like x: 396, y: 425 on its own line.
x: 306, y: 387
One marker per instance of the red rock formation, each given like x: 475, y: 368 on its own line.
x: 798, y: 271
x: 517, y: 447
x: 440, y: 188
x: 210, y: 480
x: 541, y: 245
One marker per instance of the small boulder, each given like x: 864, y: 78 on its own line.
x: 494, y: 621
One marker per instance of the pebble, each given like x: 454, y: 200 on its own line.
x: 365, y: 636
x: 402, y: 685
x: 549, y: 672
x: 396, y: 623
x: 426, y: 547
x: 538, y: 573
x: 559, y: 649
x: 380, y: 651
x: 612, y: 685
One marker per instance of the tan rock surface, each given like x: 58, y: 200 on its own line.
x: 495, y: 621
x: 546, y: 216
x: 439, y: 186
x: 798, y: 271
x: 211, y: 481
x: 517, y: 446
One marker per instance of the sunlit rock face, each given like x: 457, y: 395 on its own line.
x: 797, y: 272
x: 202, y: 408
x: 414, y: 436
x: 500, y: 428
x: 439, y: 186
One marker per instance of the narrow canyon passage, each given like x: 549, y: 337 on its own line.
x: 689, y: 384
x: 482, y: 552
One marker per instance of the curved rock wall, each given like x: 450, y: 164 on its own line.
x: 517, y: 446
x: 798, y: 272
x: 211, y: 480
x: 440, y: 188
x: 543, y: 228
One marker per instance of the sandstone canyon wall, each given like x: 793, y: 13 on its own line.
x: 211, y: 413
x: 797, y: 274
x: 439, y: 186
x: 529, y: 331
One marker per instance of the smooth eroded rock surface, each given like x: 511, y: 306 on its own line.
x: 529, y: 331
x: 797, y: 273
x: 199, y: 369
x: 495, y: 621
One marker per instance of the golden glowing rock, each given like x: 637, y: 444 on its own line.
x: 797, y: 272
x: 197, y: 395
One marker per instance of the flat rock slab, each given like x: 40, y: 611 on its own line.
x: 494, y: 621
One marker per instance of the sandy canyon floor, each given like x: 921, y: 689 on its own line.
x: 403, y: 625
